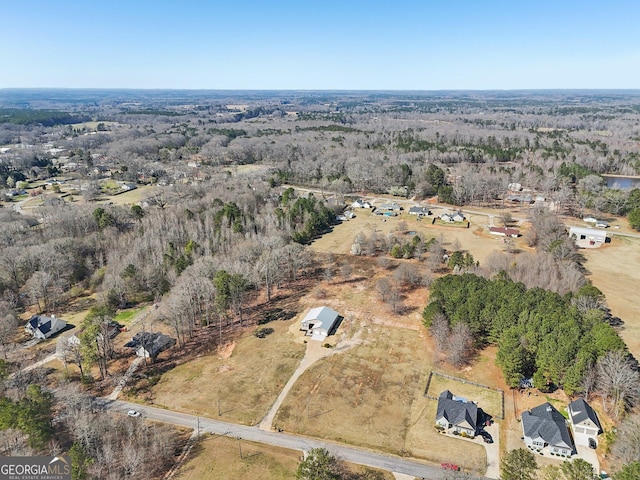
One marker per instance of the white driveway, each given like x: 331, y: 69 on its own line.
x: 493, y: 451
x: 590, y: 456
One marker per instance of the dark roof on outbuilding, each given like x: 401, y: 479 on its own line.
x: 580, y: 411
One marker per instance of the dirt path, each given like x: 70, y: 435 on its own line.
x: 315, y: 351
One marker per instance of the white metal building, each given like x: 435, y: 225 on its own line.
x: 319, y: 322
x: 588, y: 234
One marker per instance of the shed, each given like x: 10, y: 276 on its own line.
x: 319, y: 322
x: 588, y: 234
x: 504, y: 232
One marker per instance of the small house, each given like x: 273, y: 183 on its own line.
x: 389, y: 206
x: 504, y: 232
x: 149, y: 344
x: 319, y: 322
x: 452, y: 217
x: 457, y: 414
x: 360, y: 204
x: 420, y: 211
x: 584, y: 422
x: 544, y: 426
x: 43, y: 327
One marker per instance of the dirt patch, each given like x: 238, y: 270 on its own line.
x: 226, y: 351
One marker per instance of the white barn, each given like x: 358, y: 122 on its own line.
x: 588, y: 234
x: 319, y: 322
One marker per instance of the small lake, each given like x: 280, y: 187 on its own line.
x: 622, y: 182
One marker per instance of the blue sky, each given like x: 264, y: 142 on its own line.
x: 309, y: 44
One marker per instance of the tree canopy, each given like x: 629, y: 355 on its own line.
x: 536, y: 331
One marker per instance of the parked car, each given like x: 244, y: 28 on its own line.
x: 486, y: 437
x: 133, y: 413
x: 592, y: 443
x: 450, y: 466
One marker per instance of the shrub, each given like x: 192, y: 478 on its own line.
x: 263, y: 332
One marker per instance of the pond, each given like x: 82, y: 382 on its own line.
x: 622, y: 182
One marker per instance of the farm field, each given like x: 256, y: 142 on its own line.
x: 246, y: 377
x: 372, y: 396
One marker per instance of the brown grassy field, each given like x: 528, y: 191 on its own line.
x: 246, y: 378
x: 219, y: 458
x: 615, y: 269
x: 489, y: 400
x: 372, y: 396
x: 132, y: 196
x: 475, y: 239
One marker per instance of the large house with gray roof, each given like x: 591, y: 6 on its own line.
x: 457, y: 414
x: 544, y: 426
x: 43, y: 327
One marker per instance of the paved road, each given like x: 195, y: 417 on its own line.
x: 285, y: 440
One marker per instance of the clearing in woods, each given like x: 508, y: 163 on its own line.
x: 245, y: 378
x: 476, y: 239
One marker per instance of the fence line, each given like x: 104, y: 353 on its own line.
x: 462, y: 380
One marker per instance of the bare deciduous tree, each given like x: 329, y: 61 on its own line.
x: 618, y: 382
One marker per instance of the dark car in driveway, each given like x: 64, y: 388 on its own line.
x: 486, y: 437
x: 592, y: 443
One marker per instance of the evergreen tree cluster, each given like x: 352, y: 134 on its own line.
x: 538, y: 332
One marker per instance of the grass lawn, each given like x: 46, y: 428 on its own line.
x: 125, y: 316
x: 489, y: 400
x: 372, y: 396
x: 246, y: 382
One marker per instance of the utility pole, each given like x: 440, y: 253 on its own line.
x: 219, y: 411
x: 198, y: 427
x: 240, y: 447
